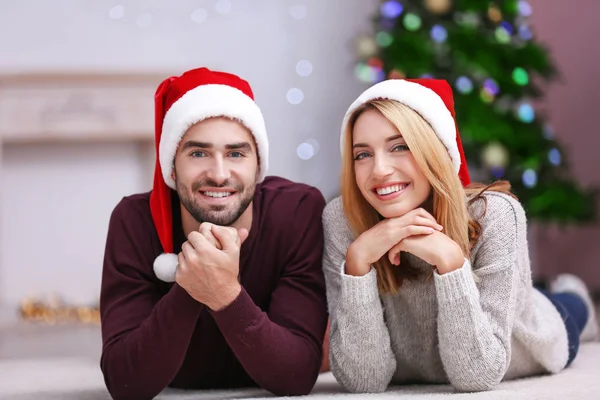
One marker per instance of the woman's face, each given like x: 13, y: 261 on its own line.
x: 386, y: 171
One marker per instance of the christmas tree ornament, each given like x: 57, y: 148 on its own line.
x: 366, y: 47
x: 495, y: 155
x: 494, y: 14
x: 438, y: 6
x: 396, y: 74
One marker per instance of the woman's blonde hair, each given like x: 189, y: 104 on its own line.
x: 449, y: 196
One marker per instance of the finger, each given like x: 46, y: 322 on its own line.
x: 228, y: 238
x: 412, y: 230
x: 207, y: 233
x: 421, y: 212
x: 394, y: 254
x: 188, y: 251
x: 205, y: 225
x: 424, y: 221
x: 181, y: 269
x: 198, y: 240
x: 243, y: 235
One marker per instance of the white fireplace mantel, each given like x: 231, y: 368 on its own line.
x: 77, y: 107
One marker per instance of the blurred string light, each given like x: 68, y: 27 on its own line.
x: 391, y: 9
x: 308, y: 149
x: 524, y: 8
x: 530, y: 178
x: 438, y: 7
x: 375, y: 62
x: 384, y: 39
x: 369, y: 74
x: 507, y: 27
x: 305, y: 151
x: 502, y: 35
x: 304, y: 68
x: 468, y: 19
x: 554, y: 157
x: 489, y: 91
x: 223, y: 6
x: 503, y: 105
x: 525, y: 32
x: 525, y: 113
x: 412, y: 22
x: 366, y: 46
x: 426, y: 76
x: 520, y: 76
x: 494, y: 14
x: 497, y: 172
x: 464, y: 85
x: 295, y: 96
x: 548, y: 132
x: 439, y: 34
x: 199, y: 15
x: 117, y: 12
x: 490, y: 86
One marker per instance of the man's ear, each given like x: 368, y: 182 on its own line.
x: 173, y: 174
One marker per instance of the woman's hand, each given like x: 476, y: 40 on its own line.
x: 436, y: 249
x: 373, y: 244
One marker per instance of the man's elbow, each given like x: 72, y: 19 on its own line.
x: 297, y: 383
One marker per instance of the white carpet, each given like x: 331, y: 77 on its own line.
x: 80, y: 379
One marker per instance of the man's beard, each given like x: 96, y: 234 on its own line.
x: 223, y: 215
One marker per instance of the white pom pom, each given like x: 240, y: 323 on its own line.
x: 165, y: 266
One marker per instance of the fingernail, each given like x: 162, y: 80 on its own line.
x: 440, y: 227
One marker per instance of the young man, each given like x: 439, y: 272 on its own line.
x: 214, y: 278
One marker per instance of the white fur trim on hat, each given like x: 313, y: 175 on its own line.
x: 204, y: 102
x: 165, y: 266
x: 421, y: 99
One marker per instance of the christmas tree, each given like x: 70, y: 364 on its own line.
x: 486, y: 50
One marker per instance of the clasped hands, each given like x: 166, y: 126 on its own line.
x: 416, y: 232
x: 209, y: 264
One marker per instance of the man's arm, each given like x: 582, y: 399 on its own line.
x: 281, y: 349
x: 145, y: 337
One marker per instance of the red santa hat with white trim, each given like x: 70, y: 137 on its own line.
x: 180, y: 102
x: 433, y: 100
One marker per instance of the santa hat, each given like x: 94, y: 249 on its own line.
x: 180, y: 102
x: 433, y: 100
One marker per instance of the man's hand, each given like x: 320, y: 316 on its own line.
x: 210, y: 274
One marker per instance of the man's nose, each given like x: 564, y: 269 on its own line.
x: 218, y: 171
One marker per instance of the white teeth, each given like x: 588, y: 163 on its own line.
x: 390, y: 189
x: 217, y: 194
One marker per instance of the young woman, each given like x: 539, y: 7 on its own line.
x: 428, y: 276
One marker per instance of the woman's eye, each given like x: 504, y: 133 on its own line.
x: 401, y: 147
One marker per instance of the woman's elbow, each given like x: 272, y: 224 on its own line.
x: 476, y: 383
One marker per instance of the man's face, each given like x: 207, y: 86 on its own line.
x: 215, y: 170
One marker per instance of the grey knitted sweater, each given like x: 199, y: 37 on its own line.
x: 449, y: 329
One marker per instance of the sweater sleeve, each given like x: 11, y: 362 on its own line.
x: 475, y: 321
x: 281, y: 349
x: 145, y: 335
x: 360, y: 352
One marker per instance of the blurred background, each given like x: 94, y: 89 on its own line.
x: 77, y: 81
